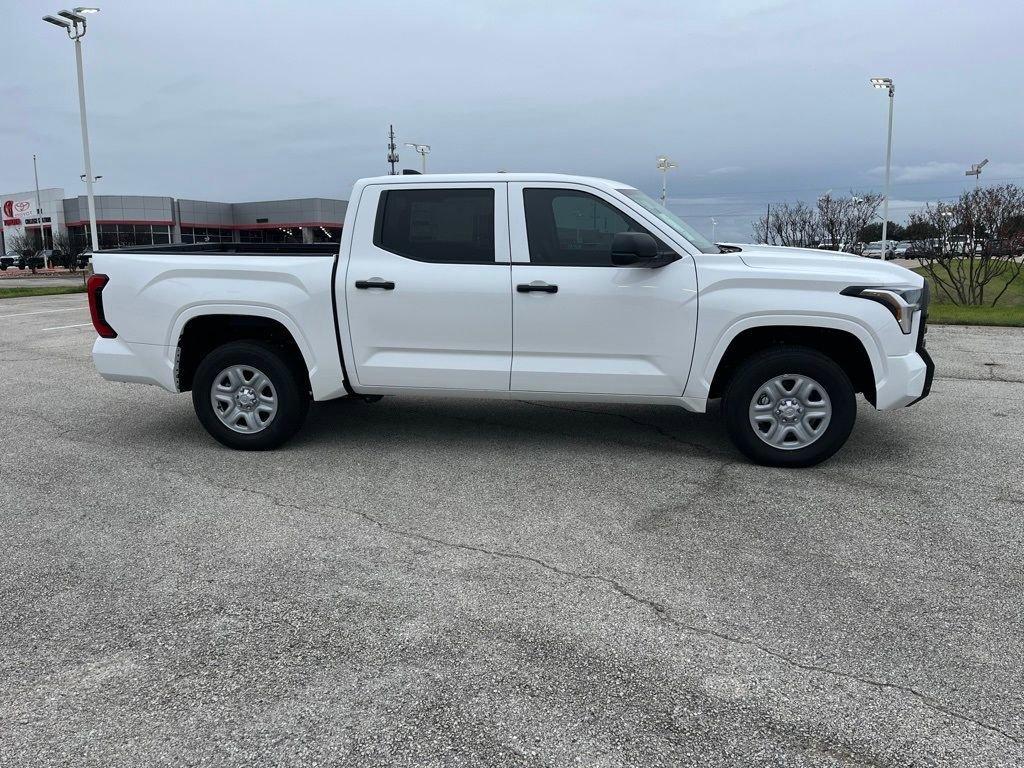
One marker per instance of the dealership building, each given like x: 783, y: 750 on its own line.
x: 123, y: 220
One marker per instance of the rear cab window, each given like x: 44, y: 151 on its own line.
x: 443, y: 226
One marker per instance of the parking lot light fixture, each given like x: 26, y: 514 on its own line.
x: 664, y: 165
x: 886, y: 83
x: 57, y: 22
x: 975, y: 171
x: 423, y: 149
x: 75, y: 24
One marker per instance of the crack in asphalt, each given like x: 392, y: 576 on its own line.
x: 659, y: 610
x: 983, y: 379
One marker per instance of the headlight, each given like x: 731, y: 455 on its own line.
x: 902, y: 302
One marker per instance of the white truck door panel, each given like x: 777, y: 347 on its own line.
x: 427, y: 287
x: 606, y: 329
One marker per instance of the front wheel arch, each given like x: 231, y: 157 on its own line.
x: 842, y: 347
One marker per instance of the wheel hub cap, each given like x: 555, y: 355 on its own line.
x: 790, y: 411
x: 244, y: 399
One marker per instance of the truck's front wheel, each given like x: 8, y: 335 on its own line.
x: 789, y: 407
x: 249, y: 396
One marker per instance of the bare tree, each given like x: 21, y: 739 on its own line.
x: 836, y: 220
x: 790, y: 224
x: 979, y: 243
x: 70, y: 249
x: 863, y: 208
x: 833, y: 215
x: 23, y: 244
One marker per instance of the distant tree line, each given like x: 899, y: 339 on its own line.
x: 971, y: 248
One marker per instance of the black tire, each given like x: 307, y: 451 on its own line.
x: 758, y: 369
x: 288, y: 383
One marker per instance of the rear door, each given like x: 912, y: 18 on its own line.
x: 580, y: 323
x: 427, y: 287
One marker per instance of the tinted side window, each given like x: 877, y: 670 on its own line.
x: 438, y: 225
x: 569, y: 228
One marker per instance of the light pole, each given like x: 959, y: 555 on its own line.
x: 946, y: 240
x: 39, y: 207
x: 664, y: 165
x: 423, y: 149
x: 714, y: 228
x: 74, y: 23
x: 975, y: 171
x: 886, y: 82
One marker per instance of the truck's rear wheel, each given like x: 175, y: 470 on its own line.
x: 248, y: 395
x: 789, y: 407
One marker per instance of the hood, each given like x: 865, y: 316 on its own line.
x: 818, y: 262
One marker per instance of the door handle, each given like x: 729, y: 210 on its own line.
x: 376, y: 282
x: 540, y: 287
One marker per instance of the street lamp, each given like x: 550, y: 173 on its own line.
x: 664, y: 165
x: 714, y: 228
x: 423, y: 149
x: 886, y: 82
x: 975, y: 171
x: 74, y: 23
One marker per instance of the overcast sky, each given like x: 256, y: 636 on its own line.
x: 757, y: 100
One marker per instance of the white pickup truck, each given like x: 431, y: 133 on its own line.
x: 516, y: 286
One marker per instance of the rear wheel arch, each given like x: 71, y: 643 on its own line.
x: 843, y: 347
x: 202, y: 334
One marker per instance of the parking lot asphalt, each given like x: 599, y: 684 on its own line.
x: 419, y: 582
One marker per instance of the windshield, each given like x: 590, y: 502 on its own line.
x: 689, y: 233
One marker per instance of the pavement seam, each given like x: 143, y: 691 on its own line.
x: 659, y: 610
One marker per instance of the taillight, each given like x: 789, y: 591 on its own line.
x: 94, y: 287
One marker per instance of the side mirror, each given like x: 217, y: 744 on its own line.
x: 633, y: 248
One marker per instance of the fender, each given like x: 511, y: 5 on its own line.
x: 192, y: 311
x: 699, y: 386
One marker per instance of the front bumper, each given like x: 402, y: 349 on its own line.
x: 909, y: 378
x: 928, y: 362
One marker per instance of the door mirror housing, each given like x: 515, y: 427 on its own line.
x: 638, y: 248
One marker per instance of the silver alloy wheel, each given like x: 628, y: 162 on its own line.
x: 244, y: 399
x: 790, y: 411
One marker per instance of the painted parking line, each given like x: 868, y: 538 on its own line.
x: 62, y: 327
x: 42, y: 312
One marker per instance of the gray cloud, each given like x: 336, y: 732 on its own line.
x: 757, y: 101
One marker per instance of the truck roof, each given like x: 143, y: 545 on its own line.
x: 494, y: 178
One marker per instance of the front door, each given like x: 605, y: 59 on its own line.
x: 581, y: 324
x: 427, y: 287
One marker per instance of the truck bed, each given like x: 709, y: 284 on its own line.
x: 238, y: 249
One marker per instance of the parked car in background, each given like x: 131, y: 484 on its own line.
x: 30, y: 261
x: 516, y: 287
x: 9, y: 259
x: 49, y: 256
x: 901, y: 249
x: 874, y: 250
